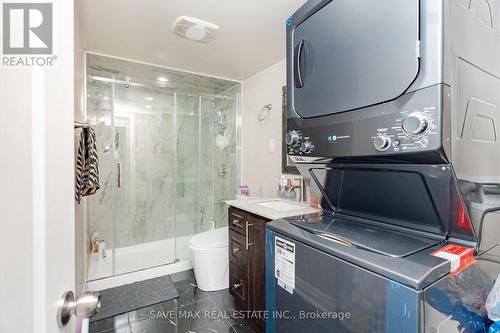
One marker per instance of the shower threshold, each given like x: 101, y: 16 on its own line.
x: 140, y: 260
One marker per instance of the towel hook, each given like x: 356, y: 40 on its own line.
x: 265, y: 111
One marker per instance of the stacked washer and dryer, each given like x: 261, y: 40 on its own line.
x: 394, y: 122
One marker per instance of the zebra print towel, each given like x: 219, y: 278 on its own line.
x: 87, y: 165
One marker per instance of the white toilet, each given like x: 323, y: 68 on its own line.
x: 210, y: 259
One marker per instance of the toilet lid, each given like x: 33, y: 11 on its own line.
x: 210, y: 239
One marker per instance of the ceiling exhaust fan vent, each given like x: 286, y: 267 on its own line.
x: 195, y: 29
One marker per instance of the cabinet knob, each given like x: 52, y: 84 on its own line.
x: 236, y: 285
x: 236, y: 223
x: 236, y: 249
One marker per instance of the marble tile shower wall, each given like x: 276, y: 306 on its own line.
x: 206, y: 155
x: 212, y: 166
x: 141, y: 209
x: 187, y: 204
x: 225, y: 153
x: 144, y: 202
x: 100, y: 205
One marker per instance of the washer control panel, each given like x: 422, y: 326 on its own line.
x: 297, y: 144
x: 410, y: 131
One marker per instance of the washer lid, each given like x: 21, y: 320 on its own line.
x: 210, y: 239
x: 417, y: 198
x: 380, y: 240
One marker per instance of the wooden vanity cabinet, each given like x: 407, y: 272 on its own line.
x: 247, y: 262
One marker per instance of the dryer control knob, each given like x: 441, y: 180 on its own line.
x: 292, y: 138
x: 382, y: 142
x: 416, y: 123
x: 306, y: 147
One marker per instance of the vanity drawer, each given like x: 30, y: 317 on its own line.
x: 238, y: 255
x: 237, y: 220
x: 238, y: 286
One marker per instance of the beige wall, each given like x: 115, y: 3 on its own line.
x: 260, y: 166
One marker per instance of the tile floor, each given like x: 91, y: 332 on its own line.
x: 195, y: 311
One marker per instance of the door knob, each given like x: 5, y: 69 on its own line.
x: 83, y: 307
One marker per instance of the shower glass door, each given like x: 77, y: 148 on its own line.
x: 189, y: 164
x: 207, y: 168
x: 168, y: 160
x: 100, y: 205
x: 144, y: 177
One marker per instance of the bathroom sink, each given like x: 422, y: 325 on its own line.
x: 279, y: 205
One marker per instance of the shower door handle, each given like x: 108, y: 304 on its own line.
x: 247, y: 226
x: 119, y: 174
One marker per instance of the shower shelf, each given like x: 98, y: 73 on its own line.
x: 223, y: 201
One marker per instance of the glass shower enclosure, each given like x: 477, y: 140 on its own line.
x: 167, y: 144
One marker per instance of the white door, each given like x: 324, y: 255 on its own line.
x: 36, y: 169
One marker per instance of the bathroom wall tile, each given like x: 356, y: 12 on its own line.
x: 99, y: 117
x: 188, y: 169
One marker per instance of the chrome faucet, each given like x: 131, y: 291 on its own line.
x: 293, y: 187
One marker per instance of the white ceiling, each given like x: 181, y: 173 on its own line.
x: 251, y: 36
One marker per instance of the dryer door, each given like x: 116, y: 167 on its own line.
x: 348, y: 54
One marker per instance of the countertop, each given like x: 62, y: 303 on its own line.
x: 249, y: 204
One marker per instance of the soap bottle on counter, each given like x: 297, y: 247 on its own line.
x: 314, y: 202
